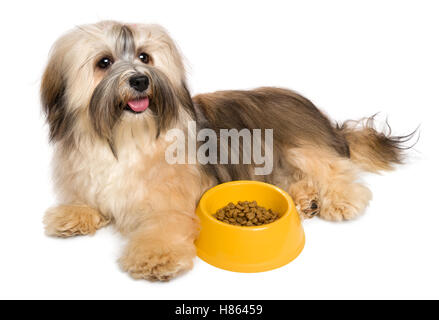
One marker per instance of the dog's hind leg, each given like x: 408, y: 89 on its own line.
x: 330, y: 178
x: 72, y: 220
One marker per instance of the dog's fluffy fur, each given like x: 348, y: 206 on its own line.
x: 109, y: 164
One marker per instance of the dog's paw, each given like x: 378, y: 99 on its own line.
x: 340, y: 212
x: 68, y: 221
x: 308, y: 208
x: 346, y: 204
x: 306, y: 198
x: 157, y: 263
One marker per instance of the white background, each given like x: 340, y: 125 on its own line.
x: 351, y: 58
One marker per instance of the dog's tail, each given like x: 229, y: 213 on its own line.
x: 371, y: 149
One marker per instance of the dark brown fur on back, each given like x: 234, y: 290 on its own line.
x: 295, y: 122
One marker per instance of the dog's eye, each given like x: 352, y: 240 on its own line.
x: 104, y: 63
x: 144, y: 57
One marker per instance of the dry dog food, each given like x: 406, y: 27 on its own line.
x: 246, y: 213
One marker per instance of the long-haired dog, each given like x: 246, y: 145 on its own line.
x: 112, y: 91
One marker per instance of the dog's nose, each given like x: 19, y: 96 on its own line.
x: 139, y: 83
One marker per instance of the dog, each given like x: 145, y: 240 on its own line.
x: 111, y: 92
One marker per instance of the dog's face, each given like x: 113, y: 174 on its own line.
x: 101, y: 76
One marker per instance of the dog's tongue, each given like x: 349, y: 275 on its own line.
x: 139, y: 105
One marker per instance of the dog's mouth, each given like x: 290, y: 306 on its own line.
x: 137, y: 105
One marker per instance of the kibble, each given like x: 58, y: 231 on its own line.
x: 246, y: 213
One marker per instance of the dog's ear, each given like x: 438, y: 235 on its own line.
x: 185, y: 98
x: 53, y: 88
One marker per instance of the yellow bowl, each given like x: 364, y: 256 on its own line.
x: 249, y: 249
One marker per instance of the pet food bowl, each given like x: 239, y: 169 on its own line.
x: 249, y: 249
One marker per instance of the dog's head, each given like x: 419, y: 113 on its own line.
x: 103, y: 75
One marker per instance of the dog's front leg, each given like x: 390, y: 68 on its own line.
x: 162, y: 247
x: 71, y: 220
